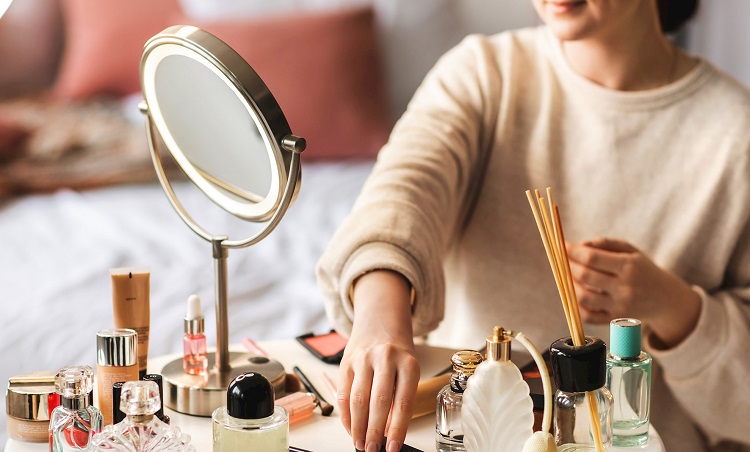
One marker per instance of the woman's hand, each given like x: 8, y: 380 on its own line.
x: 614, y: 279
x: 379, y: 374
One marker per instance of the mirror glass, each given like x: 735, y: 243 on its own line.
x: 4, y: 4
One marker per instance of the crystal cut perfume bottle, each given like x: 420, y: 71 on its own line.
x: 141, y: 431
x: 629, y: 381
x: 75, y: 420
x: 449, y: 435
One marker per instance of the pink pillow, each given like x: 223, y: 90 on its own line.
x: 103, y: 44
x: 325, y: 71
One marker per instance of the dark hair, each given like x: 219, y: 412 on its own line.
x: 674, y: 13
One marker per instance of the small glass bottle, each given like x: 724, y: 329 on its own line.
x: 629, y: 381
x: 75, y: 420
x: 299, y: 405
x: 250, y: 421
x: 449, y: 435
x: 195, y: 359
x: 580, y: 377
x: 141, y: 430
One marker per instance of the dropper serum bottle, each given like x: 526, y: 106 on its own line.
x: 629, y: 381
x: 195, y: 360
x: 75, y: 420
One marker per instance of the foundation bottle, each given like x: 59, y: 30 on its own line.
x: 141, y: 430
x: 195, y: 359
x: 250, y: 421
x: 449, y: 436
x: 582, y: 402
x: 27, y: 402
x: 629, y: 381
x: 116, y: 360
x: 75, y: 421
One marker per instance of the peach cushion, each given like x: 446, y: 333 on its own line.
x: 103, y: 44
x: 325, y: 71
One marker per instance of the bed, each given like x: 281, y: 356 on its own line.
x: 77, y: 191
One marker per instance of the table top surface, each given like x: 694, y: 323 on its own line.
x: 317, y: 432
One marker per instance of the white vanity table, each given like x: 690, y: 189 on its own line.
x: 317, y: 433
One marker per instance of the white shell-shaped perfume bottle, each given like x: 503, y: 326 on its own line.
x: 497, y: 414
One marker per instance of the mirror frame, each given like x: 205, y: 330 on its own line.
x: 282, y: 147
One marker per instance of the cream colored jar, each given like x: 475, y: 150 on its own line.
x: 28, y: 401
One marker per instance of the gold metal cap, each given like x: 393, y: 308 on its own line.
x: 498, y: 345
x: 466, y: 361
x: 28, y: 396
x: 117, y: 347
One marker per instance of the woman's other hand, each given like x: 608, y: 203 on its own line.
x: 379, y: 373
x: 614, y: 279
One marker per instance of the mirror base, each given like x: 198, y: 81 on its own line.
x: 201, y: 395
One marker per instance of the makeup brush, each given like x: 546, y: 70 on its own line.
x: 325, y: 407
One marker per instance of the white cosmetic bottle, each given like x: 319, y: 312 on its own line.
x: 497, y: 414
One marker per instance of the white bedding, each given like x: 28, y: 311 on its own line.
x: 57, y: 251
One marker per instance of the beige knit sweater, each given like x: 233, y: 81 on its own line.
x: 666, y: 169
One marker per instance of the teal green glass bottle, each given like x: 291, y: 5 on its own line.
x: 629, y: 381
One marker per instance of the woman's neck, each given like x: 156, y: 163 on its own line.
x: 638, y: 59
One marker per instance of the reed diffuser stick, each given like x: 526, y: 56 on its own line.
x: 547, y: 217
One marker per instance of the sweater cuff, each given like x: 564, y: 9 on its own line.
x: 695, y: 352
x: 375, y: 256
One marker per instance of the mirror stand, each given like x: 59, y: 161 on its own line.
x: 201, y: 395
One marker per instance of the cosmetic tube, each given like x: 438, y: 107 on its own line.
x: 116, y: 360
x: 299, y: 405
x: 27, y: 403
x: 131, y: 289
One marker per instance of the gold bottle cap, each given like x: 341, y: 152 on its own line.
x: 466, y: 361
x: 28, y: 396
x: 498, y: 345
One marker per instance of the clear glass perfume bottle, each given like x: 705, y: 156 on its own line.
x: 582, y: 403
x: 250, y: 421
x: 141, y: 431
x: 75, y: 420
x: 629, y: 381
x: 195, y: 360
x: 449, y: 436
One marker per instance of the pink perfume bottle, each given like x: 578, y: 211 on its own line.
x: 195, y: 361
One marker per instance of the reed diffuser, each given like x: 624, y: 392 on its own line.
x: 547, y: 216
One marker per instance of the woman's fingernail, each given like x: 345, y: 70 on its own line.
x: 393, y: 446
x: 372, y: 447
x: 359, y: 444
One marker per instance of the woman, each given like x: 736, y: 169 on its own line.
x: 646, y: 149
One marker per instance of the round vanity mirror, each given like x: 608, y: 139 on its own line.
x: 4, y: 4
x: 223, y: 128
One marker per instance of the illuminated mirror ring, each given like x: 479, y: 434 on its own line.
x: 220, y: 123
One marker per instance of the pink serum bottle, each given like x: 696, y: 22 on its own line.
x: 195, y: 361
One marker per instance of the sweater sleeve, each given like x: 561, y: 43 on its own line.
x: 421, y: 188
x: 707, y: 371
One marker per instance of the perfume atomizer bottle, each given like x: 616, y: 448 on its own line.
x: 141, y: 430
x: 497, y: 414
x: 75, y: 421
